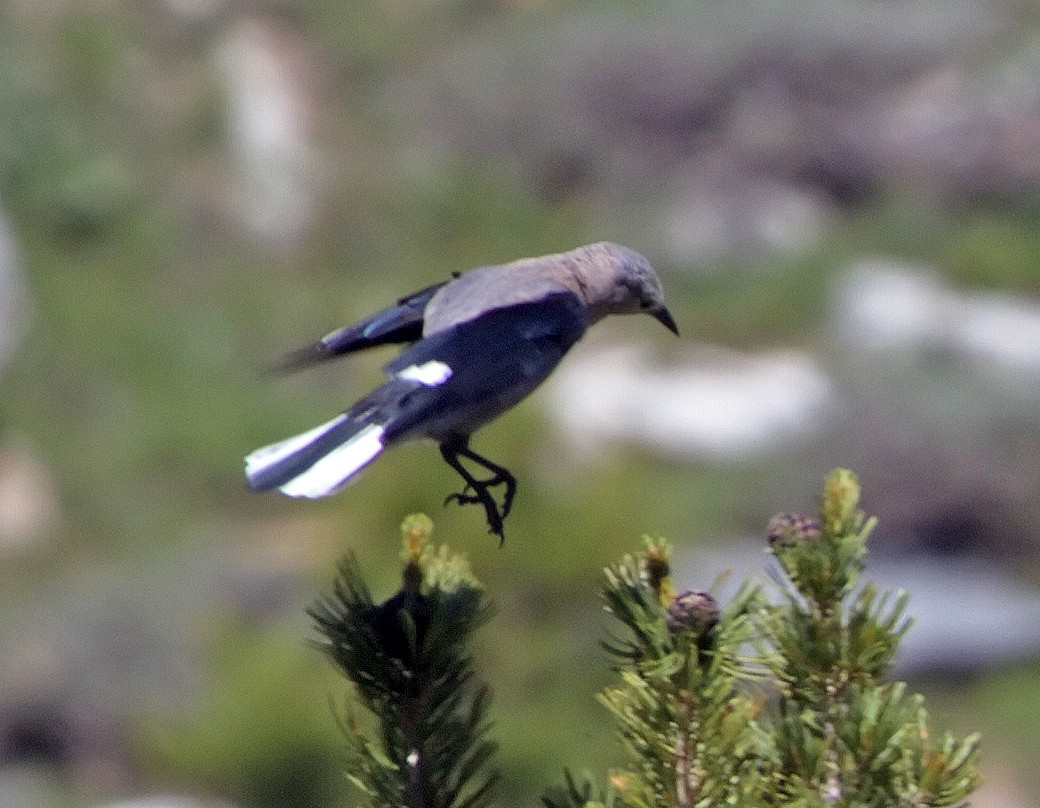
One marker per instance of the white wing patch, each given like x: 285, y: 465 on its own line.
x: 336, y: 468
x: 429, y: 374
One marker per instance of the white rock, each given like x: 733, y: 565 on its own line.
x: 715, y: 403
x: 886, y: 305
x: 268, y: 77
x: 883, y: 305
x: 998, y: 328
x: 28, y: 496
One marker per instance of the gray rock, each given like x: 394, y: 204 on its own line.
x: 14, y: 299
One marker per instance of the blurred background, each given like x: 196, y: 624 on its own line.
x: 841, y: 198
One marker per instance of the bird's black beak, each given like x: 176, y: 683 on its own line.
x: 663, y: 316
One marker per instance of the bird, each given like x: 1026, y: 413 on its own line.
x: 476, y: 345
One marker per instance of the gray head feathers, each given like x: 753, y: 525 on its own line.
x: 614, y: 279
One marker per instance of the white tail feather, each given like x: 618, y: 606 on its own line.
x: 267, y: 456
x: 336, y: 468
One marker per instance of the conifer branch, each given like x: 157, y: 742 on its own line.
x: 407, y: 659
x: 808, y: 720
x: 762, y: 702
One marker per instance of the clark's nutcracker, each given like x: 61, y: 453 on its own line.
x: 479, y: 344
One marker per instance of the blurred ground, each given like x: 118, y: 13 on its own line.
x: 841, y: 198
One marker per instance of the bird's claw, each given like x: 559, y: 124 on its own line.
x: 462, y: 498
x: 482, y: 496
x: 481, y: 489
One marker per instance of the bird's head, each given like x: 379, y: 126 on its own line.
x: 635, y: 288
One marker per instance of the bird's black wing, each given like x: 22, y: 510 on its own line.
x: 494, y: 360
x: 402, y: 322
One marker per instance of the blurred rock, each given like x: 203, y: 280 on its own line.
x: 713, y: 404
x: 29, y: 786
x: 942, y: 416
x: 29, y: 507
x: 885, y: 305
x: 954, y: 131
x: 756, y: 122
x: 269, y: 73
x: 103, y: 646
x: 78, y: 739
x: 719, y: 210
x: 14, y: 302
x: 948, y: 462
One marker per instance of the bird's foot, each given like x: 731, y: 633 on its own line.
x: 465, y: 498
x: 481, y: 489
x: 482, y: 496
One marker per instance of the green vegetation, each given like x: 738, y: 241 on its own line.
x: 153, y: 312
x: 757, y: 702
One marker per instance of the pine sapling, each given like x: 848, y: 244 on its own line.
x: 408, y: 661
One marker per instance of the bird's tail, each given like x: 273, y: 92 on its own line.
x: 318, y: 462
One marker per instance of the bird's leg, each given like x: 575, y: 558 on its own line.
x: 502, y: 476
x: 481, y: 488
x: 480, y: 494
